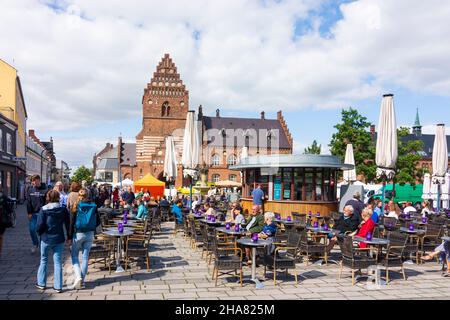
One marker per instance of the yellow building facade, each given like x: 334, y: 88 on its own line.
x: 12, y: 104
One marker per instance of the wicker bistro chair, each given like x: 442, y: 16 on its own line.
x: 394, y: 253
x: 353, y: 258
x: 299, y: 219
x: 310, y: 247
x: 102, y: 248
x: 284, y: 256
x: 196, y: 233
x: 165, y: 213
x: 135, y: 248
x: 432, y: 237
x: 227, y: 257
x: 207, y: 238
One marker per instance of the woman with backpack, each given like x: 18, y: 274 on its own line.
x: 50, y: 221
x: 84, y: 219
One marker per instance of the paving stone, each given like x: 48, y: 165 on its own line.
x: 185, y: 295
x: 120, y: 297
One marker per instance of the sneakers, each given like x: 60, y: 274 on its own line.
x: 39, y: 287
x: 58, y: 290
x: 76, y: 284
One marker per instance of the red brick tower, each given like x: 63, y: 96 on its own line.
x: 165, y: 104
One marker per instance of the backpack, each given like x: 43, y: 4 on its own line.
x: 5, y: 214
x: 86, y: 217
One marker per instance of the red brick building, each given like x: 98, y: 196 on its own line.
x: 165, y: 104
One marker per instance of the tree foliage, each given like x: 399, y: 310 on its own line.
x: 315, y: 148
x: 82, y: 173
x: 354, y: 128
x: 408, y: 159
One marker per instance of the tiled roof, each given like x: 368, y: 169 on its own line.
x: 108, y: 164
x: 243, y: 124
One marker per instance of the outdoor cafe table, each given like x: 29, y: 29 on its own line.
x: 119, y: 236
x: 129, y: 223
x: 417, y: 232
x: 321, y: 230
x: 212, y: 224
x: 115, y: 228
x: 231, y: 231
x: 261, y: 243
x: 445, y: 238
x: 376, y: 242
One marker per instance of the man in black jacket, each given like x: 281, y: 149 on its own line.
x: 347, y: 223
x: 357, y: 204
x: 35, y: 198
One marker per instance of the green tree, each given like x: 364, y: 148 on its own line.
x: 315, y: 148
x: 82, y: 173
x: 408, y: 158
x: 354, y: 128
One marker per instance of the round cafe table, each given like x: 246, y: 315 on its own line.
x: 212, y: 224
x: 445, y: 238
x: 129, y: 222
x: 418, y: 232
x: 119, y: 236
x: 115, y: 228
x: 231, y: 231
x: 261, y: 243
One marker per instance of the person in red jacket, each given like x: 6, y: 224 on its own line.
x: 367, y: 226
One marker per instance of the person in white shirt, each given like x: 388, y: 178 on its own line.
x: 409, y: 208
x: 195, y: 203
x: 394, y: 210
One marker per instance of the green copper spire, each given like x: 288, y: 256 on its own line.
x: 417, y: 123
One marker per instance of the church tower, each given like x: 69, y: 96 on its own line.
x: 165, y: 104
x: 417, y: 128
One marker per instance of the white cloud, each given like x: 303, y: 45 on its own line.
x: 90, y: 60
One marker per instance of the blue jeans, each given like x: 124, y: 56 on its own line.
x: 82, y: 241
x: 32, y: 227
x: 42, y: 271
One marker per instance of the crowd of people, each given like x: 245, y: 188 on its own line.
x: 70, y: 216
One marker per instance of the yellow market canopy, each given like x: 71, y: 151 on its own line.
x: 148, y: 181
x: 228, y: 183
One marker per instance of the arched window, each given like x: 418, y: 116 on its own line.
x: 216, y: 177
x: 215, y: 160
x: 165, y: 109
x: 232, y: 177
x: 231, y: 160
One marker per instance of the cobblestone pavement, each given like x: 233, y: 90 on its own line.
x: 178, y: 272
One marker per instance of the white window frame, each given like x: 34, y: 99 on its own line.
x: 215, y: 160
x: 215, y: 177
x: 234, y: 158
x: 9, y: 143
x: 232, y: 177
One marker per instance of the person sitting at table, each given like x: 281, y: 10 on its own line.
x: 409, y: 208
x: 106, y: 210
x: 426, y: 208
x: 442, y: 251
x: 236, y: 214
x: 142, y: 210
x: 394, y: 210
x: 269, y: 231
x: 256, y: 225
x: 209, y: 210
x: 195, y: 202
x: 367, y: 226
x: 347, y: 223
x: 176, y: 211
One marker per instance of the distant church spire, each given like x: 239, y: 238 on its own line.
x: 417, y: 128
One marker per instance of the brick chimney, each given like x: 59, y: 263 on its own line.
x: 263, y: 115
x: 372, y: 129
x: 217, y: 113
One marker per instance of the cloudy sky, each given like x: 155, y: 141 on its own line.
x: 84, y: 63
